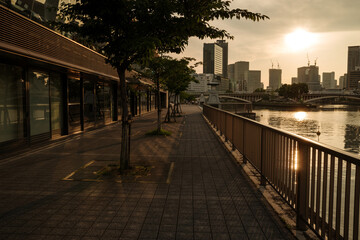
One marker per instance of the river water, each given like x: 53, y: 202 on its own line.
x: 339, y: 125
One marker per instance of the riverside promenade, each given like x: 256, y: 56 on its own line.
x: 184, y: 186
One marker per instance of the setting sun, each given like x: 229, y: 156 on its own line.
x: 300, y: 39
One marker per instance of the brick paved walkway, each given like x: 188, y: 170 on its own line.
x: 194, y: 191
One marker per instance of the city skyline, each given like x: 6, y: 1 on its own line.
x: 324, y: 29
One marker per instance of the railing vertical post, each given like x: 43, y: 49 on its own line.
x: 243, y: 142
x: 225, y: 131
x: 302, y: 201
x: 232, y: 132
x: 262, y: 157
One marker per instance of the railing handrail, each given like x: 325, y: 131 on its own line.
x: 336, y: 151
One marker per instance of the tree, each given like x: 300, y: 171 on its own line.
x: 259, y: 90
x: 155, y: 69
x: 130, y: 31
x: 295, y: 91
x: 176, y: 79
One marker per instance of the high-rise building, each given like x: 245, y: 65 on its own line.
x: 230, y: 72
x: 274, y: 79
x: 341, y: 82
x: 240, y: 68
x: 353, y: 65
x: 328, y: 80
x: 224, y: 46
x: 212, y: 59
x: 310, y: 76
x: 294, y: 80
x: 253, y: 80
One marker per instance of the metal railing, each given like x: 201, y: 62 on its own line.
x: 321, y: 183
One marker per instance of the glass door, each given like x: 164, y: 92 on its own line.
x: 11, y: 106
x: 56, y: 98
x: 89, y: 104
x: 39, y: 103
x: 74, y: 105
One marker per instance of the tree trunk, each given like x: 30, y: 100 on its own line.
x: 159, y: 104
x: 125, y: 137
x: 167, y: 117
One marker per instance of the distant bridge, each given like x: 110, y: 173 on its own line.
x: 226, y: 97
x: 317, y: 97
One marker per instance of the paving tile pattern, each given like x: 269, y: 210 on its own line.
x: 209, y: 197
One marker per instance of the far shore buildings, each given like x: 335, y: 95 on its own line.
x: 236, y: 73
x: 215, y: 58
x: 310, y: 76
x: 203, y: 83
x: 215, y: 61
x: 274, y: 79
x: 328, y: 80
x: 253, y: 79
x: 353, y: 68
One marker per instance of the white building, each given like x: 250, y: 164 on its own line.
x: 274, y: 78
x: 202, y: 86
x: 240, y: 68
x: 328, y: 80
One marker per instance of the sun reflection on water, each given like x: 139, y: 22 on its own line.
x: 300, y: 116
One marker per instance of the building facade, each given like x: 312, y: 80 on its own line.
x: 212, y: 58
x: 328, y: 80
x: 310, y: 76
x: 225, y: 53
x: 52, y: 86
x: 253, y: 80
x: 352, y: 66
x: 240, y: 69
x: 354, y: 79
x: 274, y: 79
x: 202, y: 85
x: 230, y: 72
x: 294, y: 80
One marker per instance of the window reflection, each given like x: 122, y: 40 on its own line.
x: 108, y: 103
x: 99, y: 103
x: 56, y: 103
x: 89, y: 101
x: 74, y: 105
x: 39, y: 103
x: 11, y: 107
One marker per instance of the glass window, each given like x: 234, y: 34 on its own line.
x: 99, y: 103
x: 74, y: 105
x: 144, y: 102
x: 108, y: 103
x: 11, y: 107
x: 39, y: 103
x: 56, y: 103
x: 89, y: 101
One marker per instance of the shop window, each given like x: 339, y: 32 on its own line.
x: 108, y: 102
x: 89, y: 104
x: 39, y: 103
x: 56, y: 103
x: 74, y: 105
x: 11, y: 107
x: 99, y: 99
